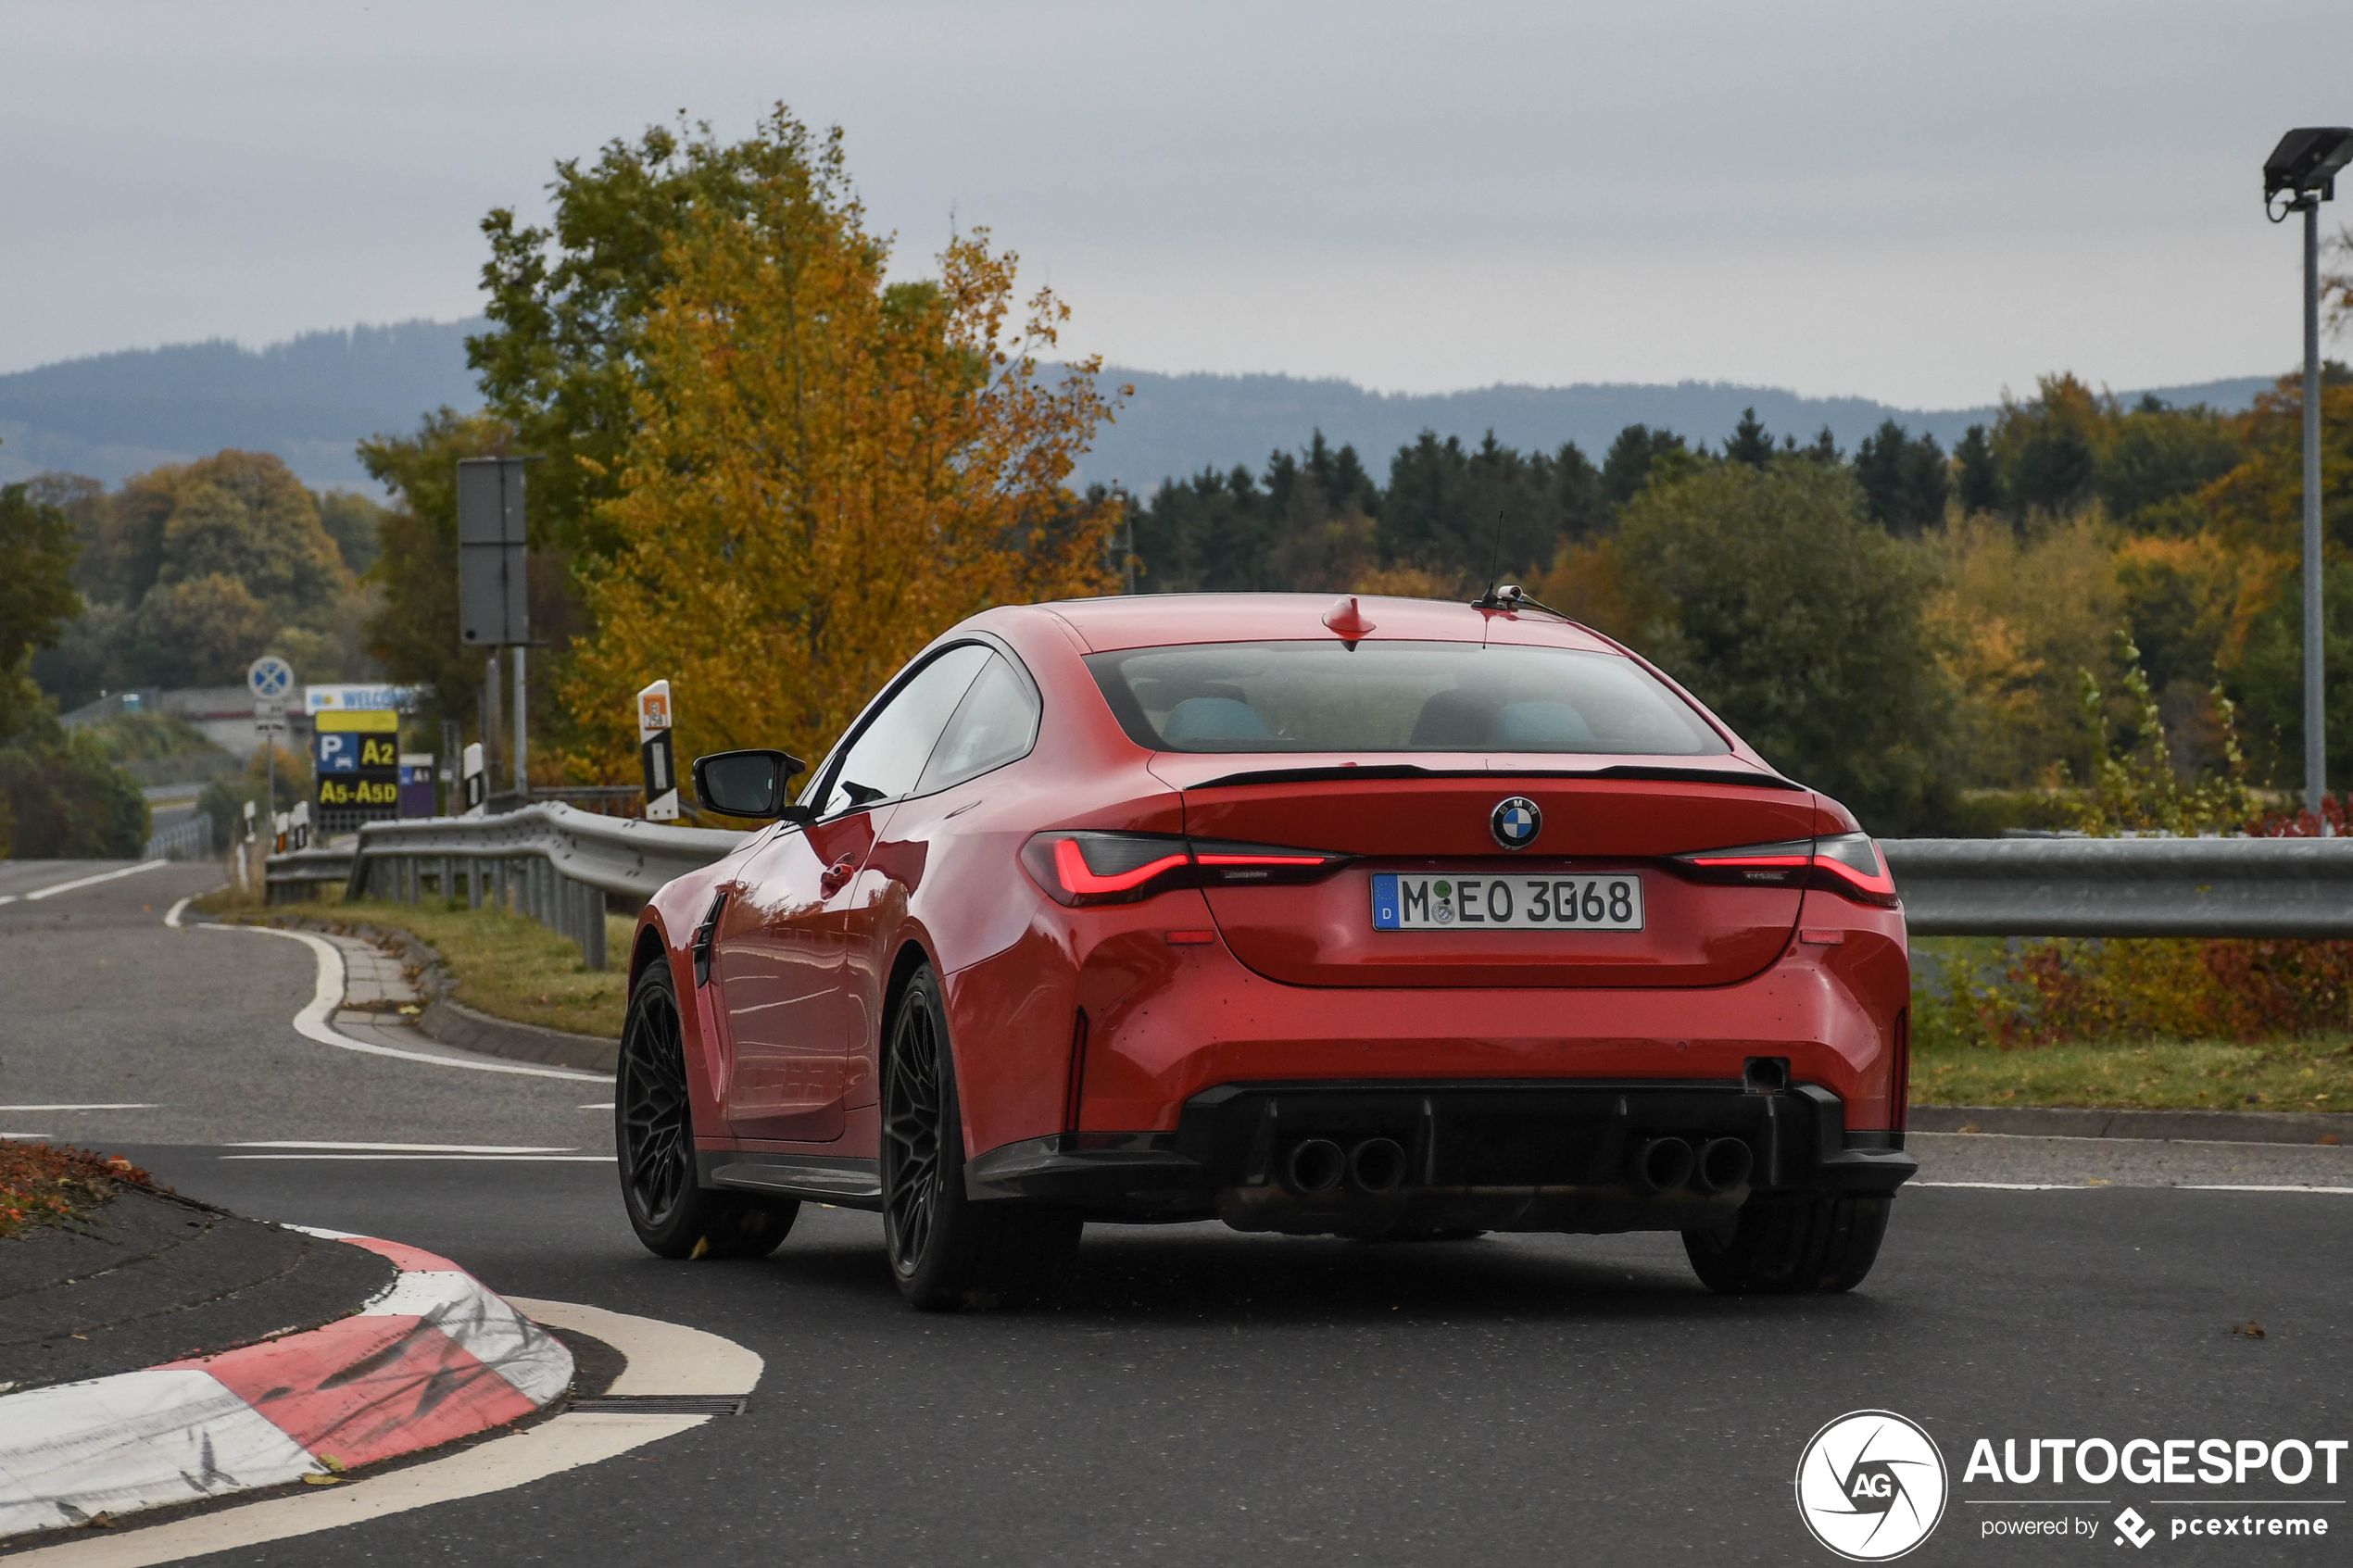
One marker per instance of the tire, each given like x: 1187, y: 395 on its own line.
x: 654, y: 1137
x: 1790, y: 1247
x: 946, y: 1251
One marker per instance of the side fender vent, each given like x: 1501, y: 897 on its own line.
x: 704, y: 935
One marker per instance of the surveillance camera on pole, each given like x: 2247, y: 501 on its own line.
x: 2303, y: 168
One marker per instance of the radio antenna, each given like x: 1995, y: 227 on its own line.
x: 1494, y: 561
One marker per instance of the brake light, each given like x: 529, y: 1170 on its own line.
x: 1848, y: 864
x: 1126, y: 868
x: 1852, y: 864
x: 1072, y: 869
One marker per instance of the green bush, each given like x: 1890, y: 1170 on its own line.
x: 65, y: 800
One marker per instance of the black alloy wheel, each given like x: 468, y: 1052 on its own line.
x: 654, y: 1138
x: 949, y: 1251
x: 1801, y: 1245
x: 911, y: 1123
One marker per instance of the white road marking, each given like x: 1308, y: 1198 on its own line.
x: 664, y: 1358
x: 171, y: 916
x: 81, y: 1107
x: 40, y: 893
x: 327, y: 998
x: 607, y: 1106
x: 408, y: 1147
x: 2106, y: 1186
x: 493, y: 1158
x: 26, y: 1138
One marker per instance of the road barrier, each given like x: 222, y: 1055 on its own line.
x: 553, y: 862
x: 2125, y: 887
x: 556, y: 863
x: 191, y: 840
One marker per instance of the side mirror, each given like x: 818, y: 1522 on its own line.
x: 749, y: 783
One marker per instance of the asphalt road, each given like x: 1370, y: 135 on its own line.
x: 1202, y: 1397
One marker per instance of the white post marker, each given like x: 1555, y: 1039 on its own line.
x: 654, y: 751
x: 474, y: 782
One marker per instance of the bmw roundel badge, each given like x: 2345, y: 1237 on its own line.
x: 1517, y: 822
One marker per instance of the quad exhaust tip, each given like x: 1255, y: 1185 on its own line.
x: 1315, y: 1166
x: 1378, y: 1164
x: 1719, y: 1165
x: 1664, y: 1164
x: 1725, y: 1163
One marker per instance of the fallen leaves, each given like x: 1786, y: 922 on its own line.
x: 2250, y: 1329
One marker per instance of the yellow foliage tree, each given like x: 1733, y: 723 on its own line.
x: 827, y: 472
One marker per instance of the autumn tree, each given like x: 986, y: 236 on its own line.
x: 1772, y: 594
x: 564, y: 357
x: 37, y: 597
x: 824, y: 470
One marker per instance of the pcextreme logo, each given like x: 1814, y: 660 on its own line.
x: 1870, y: 1486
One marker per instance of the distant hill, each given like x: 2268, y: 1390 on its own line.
x: 1175, y: 425
x: 309, y: 399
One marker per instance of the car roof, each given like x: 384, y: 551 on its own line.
x: 1159, y: 619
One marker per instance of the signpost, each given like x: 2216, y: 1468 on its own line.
x: 358, y: 764
x: 655, y: 753
x: 416, y: 784
x: 271, y: 679
x: 343, y: 696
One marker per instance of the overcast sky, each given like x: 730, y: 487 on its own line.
x: 1923, y: 203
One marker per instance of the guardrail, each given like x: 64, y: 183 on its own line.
x: 191, y: 840
x: 552, y: 863
x: 2125, y: 887
x: 555, y: 863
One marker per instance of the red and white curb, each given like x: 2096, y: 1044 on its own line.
x: 435, y: 1357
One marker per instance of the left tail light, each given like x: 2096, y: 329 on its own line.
x: 1126, y: 868
x: 1849, y: 864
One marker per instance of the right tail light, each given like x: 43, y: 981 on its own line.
x: 1848, y: 864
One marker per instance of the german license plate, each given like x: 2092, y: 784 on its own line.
x: 1507, y: 903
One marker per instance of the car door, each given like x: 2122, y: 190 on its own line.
x: 797, y: 1004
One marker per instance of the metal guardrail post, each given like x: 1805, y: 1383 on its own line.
x: 474, y: 882
x: 593, y: 947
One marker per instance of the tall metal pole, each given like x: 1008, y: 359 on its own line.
x: 522, y: 754
x: 2315, y: 718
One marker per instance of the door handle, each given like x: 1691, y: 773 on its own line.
x: 841, y: 871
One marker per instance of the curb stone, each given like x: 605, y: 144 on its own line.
x: 454, y: 1024
x: 2085, y: 1122
x: 432, y: 1358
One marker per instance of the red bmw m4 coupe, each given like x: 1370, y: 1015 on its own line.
x: 1376, y: 917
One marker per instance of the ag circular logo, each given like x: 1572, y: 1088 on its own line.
x: 1870, y: 1486
x: 1516, y: 822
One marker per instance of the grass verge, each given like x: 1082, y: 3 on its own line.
x: 54, y: 1183
x: 2314, y: 1074
x: 507, y: 965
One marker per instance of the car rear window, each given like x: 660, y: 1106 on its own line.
x: 1397, y: 697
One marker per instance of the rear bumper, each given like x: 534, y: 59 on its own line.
x: 1546, y: 1155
